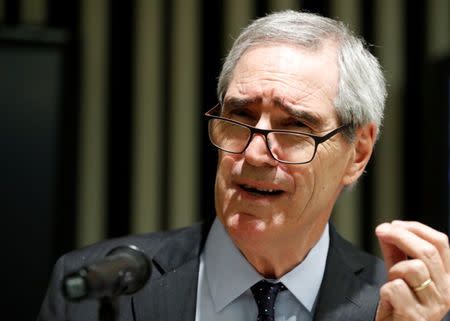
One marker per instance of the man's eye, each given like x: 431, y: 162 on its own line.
x: 240, y: 114
x: 295, y: 124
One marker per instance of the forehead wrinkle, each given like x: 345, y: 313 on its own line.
x: 298, y: 88
x: 287, y: 104
x: 261, y: 79
x: 285, y: 75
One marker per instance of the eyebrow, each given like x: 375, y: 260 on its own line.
x: 233, y: 103
x: 298, y: 113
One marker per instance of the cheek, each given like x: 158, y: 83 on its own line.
x: 326, y: 179
x: 314, y: 189
x: 305, y: 181
x: 226, y: 164
x: 332, y: 167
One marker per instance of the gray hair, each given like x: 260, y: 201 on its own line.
x: 361, y: 90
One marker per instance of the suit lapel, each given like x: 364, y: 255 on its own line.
x: 172, y: 297
x: 171, y: 293
x: 345, y: 294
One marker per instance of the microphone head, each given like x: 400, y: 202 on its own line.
x: 124, y: 270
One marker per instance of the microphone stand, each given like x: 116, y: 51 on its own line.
x: 108, y: 309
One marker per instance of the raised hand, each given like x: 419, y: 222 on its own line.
x: 417, y: 259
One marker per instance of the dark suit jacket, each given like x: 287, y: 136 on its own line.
x: 349, y: 291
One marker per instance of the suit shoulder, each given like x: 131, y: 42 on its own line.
x: 149, y: 243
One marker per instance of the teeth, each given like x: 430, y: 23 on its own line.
x: 260, y: 189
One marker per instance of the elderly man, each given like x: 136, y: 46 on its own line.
x: 301, y: 102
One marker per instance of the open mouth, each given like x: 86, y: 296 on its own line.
x: 260, y: 191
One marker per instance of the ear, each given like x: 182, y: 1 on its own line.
x: 362, y: 148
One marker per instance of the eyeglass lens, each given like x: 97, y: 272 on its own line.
x: 287, y: 147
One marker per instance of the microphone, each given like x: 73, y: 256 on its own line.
x: 124, y: 270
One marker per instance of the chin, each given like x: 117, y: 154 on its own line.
x: 243, y: 227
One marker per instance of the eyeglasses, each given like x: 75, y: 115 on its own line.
x: 289, y: 147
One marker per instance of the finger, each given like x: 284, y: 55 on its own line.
x: 398, y: 302
x: 438, y: 239
x: 384, y: 311
x: 414, y: 272
x: 415, y: 247
x: 391, y: 253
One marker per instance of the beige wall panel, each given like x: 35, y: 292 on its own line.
x: 438, y: 28
x: 34, y: 12
x: 347, y: 212
x: 276, y: 5
x: 146, y: 181
x: 349, y: 11
x: 186, y: 114
x: 389, y: 23
x: 92, y: 169
x: 237, y: 15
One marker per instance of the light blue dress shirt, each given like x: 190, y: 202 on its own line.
x: 225, y: 278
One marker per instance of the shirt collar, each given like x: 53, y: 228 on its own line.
x: 224, y: 262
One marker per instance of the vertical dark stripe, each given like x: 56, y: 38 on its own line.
x: 212, y: 48
x: 120, y: 111
x: 261, y: 8
x: 12, y: 11
x: 435, y: 169
x: 368, y: 21
x: 166, y: 103
x: 413, y: 110
x: 67, y: 17
x: 367, y: 181
x: 63, y: 15
x: 316, y: 6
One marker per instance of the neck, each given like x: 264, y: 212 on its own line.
x: 272, y: 261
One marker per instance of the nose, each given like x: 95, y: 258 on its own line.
x: 257, y: 152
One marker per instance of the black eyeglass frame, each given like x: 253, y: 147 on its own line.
x: 254, y: 130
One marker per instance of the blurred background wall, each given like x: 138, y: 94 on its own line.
x: 102, y: 127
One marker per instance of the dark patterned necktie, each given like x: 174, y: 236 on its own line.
x: 265, y: 294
